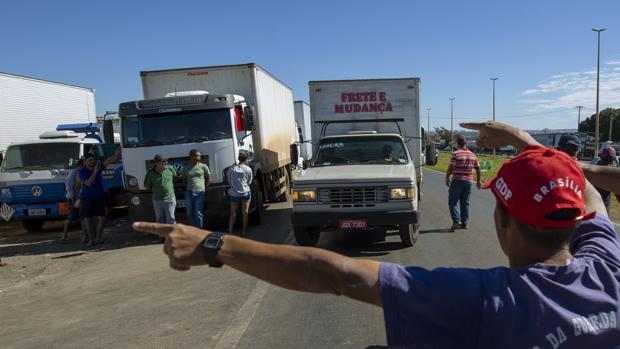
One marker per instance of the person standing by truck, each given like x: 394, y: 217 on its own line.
x: 92, y: 196
x: 197, y: 177
x: 160, y: 180
x: 239, y: 178
x: 73, y: 186
x: 459, y: 180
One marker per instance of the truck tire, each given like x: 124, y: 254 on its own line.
x: 32, y: 225
x: 409, y: 234
x: 306, y: 236
x: 257, y: 216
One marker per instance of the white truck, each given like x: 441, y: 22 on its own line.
x: 29, y: 107
x: 365, y: 170
x: 218, y: 110
x: 33, y: 174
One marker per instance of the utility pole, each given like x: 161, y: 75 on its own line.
x: 451, y: 122
x: 493, y: 79
x: 611, y: 124
x: 579, y: 107
x: 598, y: 72
x: 428, y: 125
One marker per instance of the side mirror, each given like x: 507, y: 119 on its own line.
x: 248, y: 112
x: 108, y: 132
x: 431, y: 155
x: 294, y: 154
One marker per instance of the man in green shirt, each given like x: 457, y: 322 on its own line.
x: 197, y: 177
x: 160, y: 180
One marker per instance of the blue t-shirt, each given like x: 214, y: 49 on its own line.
x: 95, y: 190
x: 534, y: 307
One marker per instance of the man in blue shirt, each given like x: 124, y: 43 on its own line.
x: 92, y: 196
x: 562, y: 289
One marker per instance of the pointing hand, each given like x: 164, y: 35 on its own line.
x: 183, y: 243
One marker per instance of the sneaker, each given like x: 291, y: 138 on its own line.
x: 464, y: 226
x: 455, y: 225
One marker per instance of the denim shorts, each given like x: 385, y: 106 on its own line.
x: 245, y: 197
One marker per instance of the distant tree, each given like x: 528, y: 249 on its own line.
x: 443, y: 133
x: 589, y: 124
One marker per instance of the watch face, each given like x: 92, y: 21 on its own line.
x: 212, y: 242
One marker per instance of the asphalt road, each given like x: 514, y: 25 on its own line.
x: 124, y: 295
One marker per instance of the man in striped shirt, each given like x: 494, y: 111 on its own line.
x: 459, y: 179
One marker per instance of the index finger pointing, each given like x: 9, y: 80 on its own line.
x: 473, y: 125
x: 153, y: 228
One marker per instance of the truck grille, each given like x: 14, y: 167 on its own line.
x: 46, y: 192
x: 352, y: 197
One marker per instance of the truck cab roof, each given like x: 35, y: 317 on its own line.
x: 360, y: 135
x: 79, y: 139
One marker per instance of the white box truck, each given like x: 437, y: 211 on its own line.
x: 365, y: 170
x: 219, y: 111
x: 304, y: 126
x: 29, y: 107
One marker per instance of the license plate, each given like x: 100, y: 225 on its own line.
x: 353, y: 224
x: 36, y: 212
x: 180, y: 203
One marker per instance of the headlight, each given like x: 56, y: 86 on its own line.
x: 135, y: 200
x: 133, y: 181
x: 402, y: 193
x: 5, y: 192
x: 304, y: 195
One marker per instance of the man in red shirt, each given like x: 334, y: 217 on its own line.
x: 462, y: 163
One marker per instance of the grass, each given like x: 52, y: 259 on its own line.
x: 496, y: 162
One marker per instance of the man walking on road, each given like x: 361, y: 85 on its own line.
x: 160, y: 180
x: 459, y: 180
x: 197, y: 177
x: 92, y: 196
x: 561, y: 289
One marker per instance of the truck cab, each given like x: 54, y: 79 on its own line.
x: 357, y: 180
x: 219, y: 126
x: 33, y: 175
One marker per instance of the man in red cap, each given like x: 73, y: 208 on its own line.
x: 562, y: 289
x: 458, y: 180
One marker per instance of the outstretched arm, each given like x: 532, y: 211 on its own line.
x: 114, y: 158
x: 604, y: 177
x: 494, y: 135
x: 292, y: 267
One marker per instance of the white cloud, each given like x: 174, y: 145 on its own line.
x: 567, y: 90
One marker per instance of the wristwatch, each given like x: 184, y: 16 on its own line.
x: 211, y: 246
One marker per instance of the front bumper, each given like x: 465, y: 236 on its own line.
x: 331, y: 218
x: 53, y: 211
x: 216, y: 205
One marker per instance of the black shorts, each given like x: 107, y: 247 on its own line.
x: 92, y: 207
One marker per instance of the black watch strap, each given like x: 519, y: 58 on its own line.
x: 211, y: 246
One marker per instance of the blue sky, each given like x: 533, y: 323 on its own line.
x: 543, y: 52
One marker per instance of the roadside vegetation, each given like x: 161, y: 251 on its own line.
x: 496, y: 162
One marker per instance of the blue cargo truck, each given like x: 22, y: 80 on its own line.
x: 33, y: 174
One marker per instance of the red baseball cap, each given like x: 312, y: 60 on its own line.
x: 538, y: 182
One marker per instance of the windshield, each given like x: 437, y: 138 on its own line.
x: 361, y: 150
x: 41, y: 156
x: 173, y: 128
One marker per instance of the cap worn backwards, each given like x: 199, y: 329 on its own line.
x: 539, y: 182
